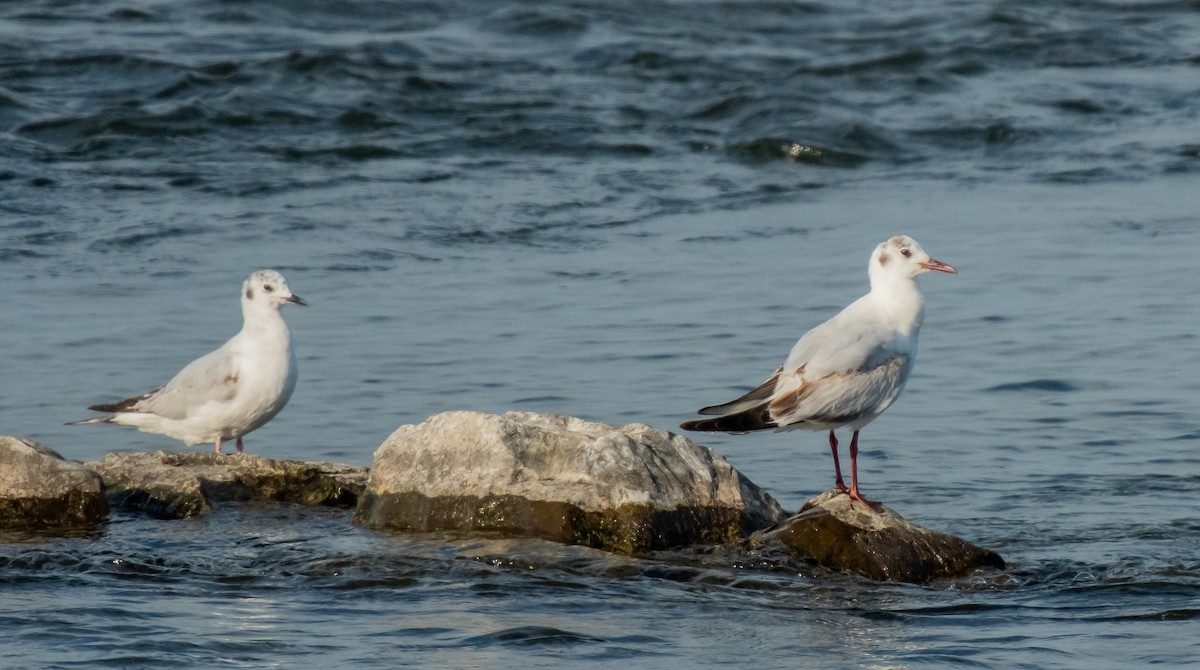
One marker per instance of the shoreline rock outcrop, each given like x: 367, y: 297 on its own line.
x: 39, y: 489
x: 631, y: 490
x: 175, y: 485
x: 627, y: 490
x: 832, y: 531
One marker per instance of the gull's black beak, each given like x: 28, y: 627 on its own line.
x: 298, y: 300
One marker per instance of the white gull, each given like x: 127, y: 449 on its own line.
x: 848, y: 370
x: 232, y: 391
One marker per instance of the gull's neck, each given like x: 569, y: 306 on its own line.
x: 262, y: 319
x: 899, y: 299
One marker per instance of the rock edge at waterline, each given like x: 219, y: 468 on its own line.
x: 833, y: 531
x: 39, y: 489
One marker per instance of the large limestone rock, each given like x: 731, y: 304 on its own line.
x: 39, y: 489
x: 627, y: 490
x: 833, y: 531
x: 172, y: 485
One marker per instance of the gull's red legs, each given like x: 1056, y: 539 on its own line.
x: 837, y: 468
x: 853, y: 492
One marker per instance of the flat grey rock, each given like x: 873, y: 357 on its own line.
x: 629, y: 489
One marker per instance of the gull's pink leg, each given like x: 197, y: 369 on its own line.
x: 218, y: 445
x: 853, y: 492
x: 837, y: 468
x: 239, y: 445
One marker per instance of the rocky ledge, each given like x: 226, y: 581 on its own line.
x: 626, y: 490
x: 630, y: 490
x: 172, y: 485
x: 833, y: 531
x: 41, y: 490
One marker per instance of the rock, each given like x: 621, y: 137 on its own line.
x: 39, y: 489
x: 173, y: 485
x: 627, y: 490
x: 833, y: 531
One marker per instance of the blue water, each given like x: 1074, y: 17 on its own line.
x: 620, y: 211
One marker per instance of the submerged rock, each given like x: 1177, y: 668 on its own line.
x: 627, y: 490
x: 835, y: 532
x: 173, y: 485
x: 40, y: 489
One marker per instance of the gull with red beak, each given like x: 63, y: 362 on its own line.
x: 848, y: 370
x: 231, y: 391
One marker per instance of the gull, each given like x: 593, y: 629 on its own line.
x: 848, y: 370
x: 229, y: 392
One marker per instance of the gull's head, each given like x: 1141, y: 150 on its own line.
x: 902, y: 257
x: 268, y: 288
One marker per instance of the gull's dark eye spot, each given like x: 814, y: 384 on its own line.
x: 903, y: 252
x: 268, y: 288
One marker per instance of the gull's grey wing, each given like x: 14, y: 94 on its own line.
x: 210, y: 378
x: 841, y: 397
x: 853, y: 340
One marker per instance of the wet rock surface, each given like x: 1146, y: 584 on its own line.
x: 39, y: 489
x: 835, y: 532
x: 627, y: 490
x: 174, y: 485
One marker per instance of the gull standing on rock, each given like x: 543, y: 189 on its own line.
x: 228, y: 393
x: 848, y: 370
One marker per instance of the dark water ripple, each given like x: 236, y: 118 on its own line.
x: 1051, y: 385
x: 332, y: 572
x: 434, y: 88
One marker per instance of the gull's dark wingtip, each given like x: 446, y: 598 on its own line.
x: 756, y: 418
x: 126, y: 405
x: 94, y: 419
x: 104, y: 408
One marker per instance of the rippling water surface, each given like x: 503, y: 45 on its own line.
x: 621, y: 211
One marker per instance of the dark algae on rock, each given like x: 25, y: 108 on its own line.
x: 174, y: 485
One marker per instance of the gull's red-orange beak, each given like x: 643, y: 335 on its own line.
x: 939, y: 266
